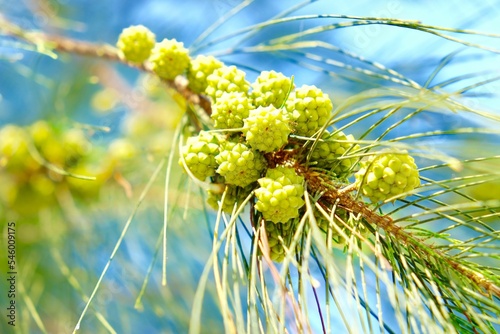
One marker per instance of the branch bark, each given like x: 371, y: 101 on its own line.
x: 97, y: 50
x: 343, y: 199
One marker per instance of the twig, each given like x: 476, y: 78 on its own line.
x: 103, y: 51
x: 342, y: 199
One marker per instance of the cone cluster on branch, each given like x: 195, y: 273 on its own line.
x: 260, y: 143
x: 253, y: 126
x: 259, y: 121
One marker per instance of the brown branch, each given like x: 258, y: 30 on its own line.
x: 96, y: 50
x: 341, y: 198
x: 315, y: 181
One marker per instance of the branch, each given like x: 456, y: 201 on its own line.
x: 343, y: 199
x: 45, y: 41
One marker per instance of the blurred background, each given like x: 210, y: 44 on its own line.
x: 122, y: 123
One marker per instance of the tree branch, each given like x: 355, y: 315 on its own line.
x: 103, y: 51
x: 343, y: 199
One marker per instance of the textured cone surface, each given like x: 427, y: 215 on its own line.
x: 199, y: 154
x: 309, y: 108
x: 169, y: 58
x: 239, y: 164
x: 267, y: 128
x: 230, y: 110
x: 278, y: 236
x: 199, y: 69
x: 387, y: 175
x: 226, y: 79
x: 328, y: 154
x: 235, y: 196
x: 279, y: 197
x: 270, y: 88
x: 136, y: 42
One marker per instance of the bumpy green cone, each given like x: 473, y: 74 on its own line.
x: 225, y: 80
x: 279, y: 197
x: 135, y: 43
x: 267, y: 128
x: 270, y: 88
x: 387, y: 175
x: 199, y: 69
x: 329, y: 154
x: 230, y: 110
x: 169, y: 58
x: 239, y: 163
x: 199, y: 154
x: 274, y: 233
x: 309, y: 108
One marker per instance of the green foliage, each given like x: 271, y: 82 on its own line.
x: 416, y: 260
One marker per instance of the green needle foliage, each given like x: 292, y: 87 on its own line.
x: 425, y: 261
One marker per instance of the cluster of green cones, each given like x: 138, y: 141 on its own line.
x: 263, y: 135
